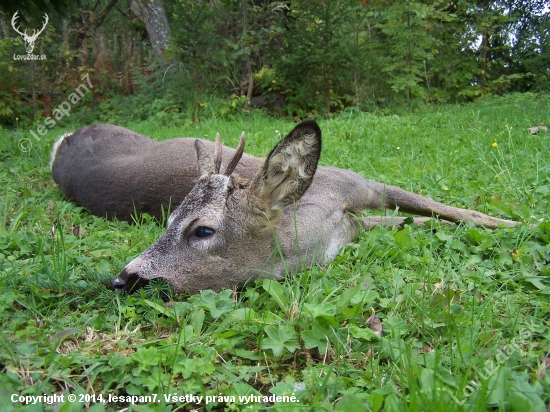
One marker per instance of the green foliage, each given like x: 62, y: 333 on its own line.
x: 410, y: 27
x: 316, y: 57
x: 464, y: 309
x: 279, y: 339
x: 200, y: 45
x: 532, y: 57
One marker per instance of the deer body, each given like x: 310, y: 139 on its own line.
x: 259, y: 218
x: 114, y: 172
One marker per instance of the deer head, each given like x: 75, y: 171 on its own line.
x: 223, y: 233
x: 29, y: 40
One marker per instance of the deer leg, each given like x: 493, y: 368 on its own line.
x: 393, y: 197
x: 370, y: 222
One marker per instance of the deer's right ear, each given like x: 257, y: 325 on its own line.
x: 288, y: 170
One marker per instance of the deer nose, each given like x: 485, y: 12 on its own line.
x: 118, y: 283
x: 128, y: 281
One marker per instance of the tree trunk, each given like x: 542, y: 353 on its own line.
x: 33, y: 88
x: 485, y: 23
x: 152, y: 14
x: 5, y: 28
x: 248, y: 65
x: 326, y: 77
x: 84, y: 29
x: 484, y: 47
x: 327, y: 88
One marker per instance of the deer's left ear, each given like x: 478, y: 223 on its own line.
x: 288, y: 170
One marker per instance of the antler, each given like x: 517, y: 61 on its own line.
x: 236, y: 157
x: 36, y: 34
x: 16, y: 28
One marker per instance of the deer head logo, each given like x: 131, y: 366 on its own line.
x: 29, y: 40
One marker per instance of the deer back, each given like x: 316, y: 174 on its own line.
x: 115, y: 172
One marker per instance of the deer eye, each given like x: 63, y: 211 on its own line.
x: 203, y: 231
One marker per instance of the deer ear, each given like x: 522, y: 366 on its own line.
x: 205, y: 164
x: 289, y: 168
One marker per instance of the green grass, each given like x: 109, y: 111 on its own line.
x: 465, y: 310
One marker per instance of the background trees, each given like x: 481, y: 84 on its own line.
x: 175, y: 59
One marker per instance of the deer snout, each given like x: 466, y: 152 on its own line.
x: 118, y: 283
x: 128, y: 281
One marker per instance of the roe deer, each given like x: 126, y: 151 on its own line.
x: 239, y: 217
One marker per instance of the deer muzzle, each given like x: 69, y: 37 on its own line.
x: 128, y: 281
